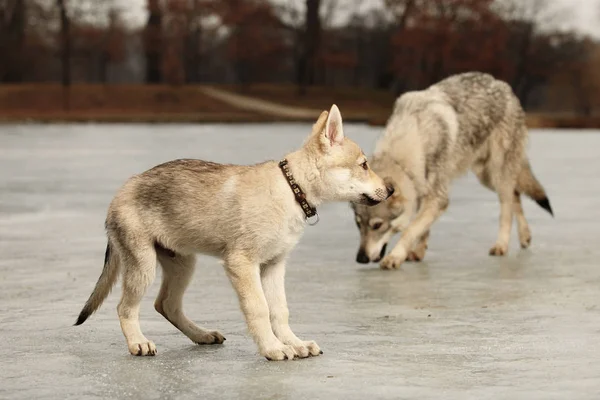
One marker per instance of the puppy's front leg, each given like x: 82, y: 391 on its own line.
x: 245, y: 278
x: 429, y: 212
x: 273, y: 277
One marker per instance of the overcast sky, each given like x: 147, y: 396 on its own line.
x: 586, y: 15
x: 583, y: 14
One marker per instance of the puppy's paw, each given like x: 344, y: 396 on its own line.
x: 279, y: 352
x: 208, y: 337
x: 499, y: 250
x: 142, y: 348
x: 307, y: 349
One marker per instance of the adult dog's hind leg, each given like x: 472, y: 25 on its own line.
x: 498, y: 172
x: 506, y: 196
x: 139, y: 270
x: 522, y: 225
x: 272, y: 278
x: 177, y: 273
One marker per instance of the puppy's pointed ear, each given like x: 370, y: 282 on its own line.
x: 334, y: 130
x: 319, y: 126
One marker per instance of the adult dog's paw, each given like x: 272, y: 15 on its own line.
x: 499, y: 250
x: 391, y: 262
x: 416, y: 256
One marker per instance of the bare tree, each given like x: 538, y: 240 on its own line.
x: 307, y: 62
x: 65, y: 35
x: 527, y: 20
x: 12, y: 36
x: 153, y: 42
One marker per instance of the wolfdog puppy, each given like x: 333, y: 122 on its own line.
x: 469, y: 121
x: 249, y: 216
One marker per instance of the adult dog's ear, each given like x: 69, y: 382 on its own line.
x: 389, y: 183
x: 396, y: 200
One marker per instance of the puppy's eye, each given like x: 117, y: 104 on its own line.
x: 377, y: 226
x: 365, y: 166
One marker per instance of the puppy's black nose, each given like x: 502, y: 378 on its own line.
x: 390, y: 190
x: 362, y: 257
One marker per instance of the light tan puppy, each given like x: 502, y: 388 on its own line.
x: 249, y: 216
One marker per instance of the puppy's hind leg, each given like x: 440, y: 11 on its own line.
x: 139, y: 270
x: 177, y: 273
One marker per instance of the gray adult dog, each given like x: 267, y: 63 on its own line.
x: 469, y: 121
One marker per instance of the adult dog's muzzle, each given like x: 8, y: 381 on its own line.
x: 363, y: 258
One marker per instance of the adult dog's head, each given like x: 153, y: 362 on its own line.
x: 377, y: 224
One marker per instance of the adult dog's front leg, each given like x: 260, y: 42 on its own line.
x: 245, y: 278
x: 273, y: 277
x: 429, y: 212
x: 417, y: 254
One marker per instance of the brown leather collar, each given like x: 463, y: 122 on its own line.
x: 309, y: 211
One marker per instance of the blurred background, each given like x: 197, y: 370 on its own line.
x: 212, y: 60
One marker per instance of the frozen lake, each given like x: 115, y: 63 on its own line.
x: 460, y: 325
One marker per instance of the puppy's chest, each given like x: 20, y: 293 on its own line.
x: 284, y: 239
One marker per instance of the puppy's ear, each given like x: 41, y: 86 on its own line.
x: 319, y: 126
x: 334, y: 130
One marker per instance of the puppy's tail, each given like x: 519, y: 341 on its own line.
x: 530, y: 186
x: 107, y: 280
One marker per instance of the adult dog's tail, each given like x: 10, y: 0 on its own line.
x: 107, y: 280
x: 530, y: 186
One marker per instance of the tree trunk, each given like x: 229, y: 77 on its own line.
x: 12, y: 35
x: 307, y: 63
x: 192, y: 56
x: 65, y: 53
x: 153, y: 42
x: 520, y: 84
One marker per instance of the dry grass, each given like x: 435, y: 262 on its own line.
x: 163, y: 103
x: 119, y: 102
